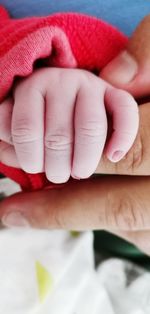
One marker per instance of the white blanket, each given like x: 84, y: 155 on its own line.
x: 52, y: 272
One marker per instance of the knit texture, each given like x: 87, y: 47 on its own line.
x: 64, y: 40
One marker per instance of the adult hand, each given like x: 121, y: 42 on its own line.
x: 130, y: 70
x: 116, y: 203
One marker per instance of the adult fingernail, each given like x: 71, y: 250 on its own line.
x: 122, y: 69
x: 118, y: 155
x: 15, y: 219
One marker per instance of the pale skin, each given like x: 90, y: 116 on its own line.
x: 118, y: 204
x: 56, y: 123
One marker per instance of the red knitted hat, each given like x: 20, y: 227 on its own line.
x: 63, y: 40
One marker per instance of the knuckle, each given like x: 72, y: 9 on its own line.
x: 58, y: 76
x: 125, y: 216
x: 134, y: 159
x: 92, y: 130
x: 89, y: 79
x: 22, y: 132
x: 126, y: 213
x: 57, y: 142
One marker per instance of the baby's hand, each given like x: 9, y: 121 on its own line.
x: 57, y: 123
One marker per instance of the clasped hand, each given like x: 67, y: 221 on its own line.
x: 57, y: 123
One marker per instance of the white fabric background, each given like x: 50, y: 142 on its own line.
x: 115, y: 287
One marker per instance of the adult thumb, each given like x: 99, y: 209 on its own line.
x: 130, y: 70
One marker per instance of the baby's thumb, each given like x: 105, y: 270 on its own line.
x: 130, y: 70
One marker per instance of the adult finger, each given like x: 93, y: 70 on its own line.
x: 123, y: 109
x: 111, y: 203
x: 130, y: 69
x: 90, y: 130
x: 28, y: 127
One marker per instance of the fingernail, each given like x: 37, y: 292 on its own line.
x: 118, y: 155
x: 75, y: 177
x: 122, y: 69
x: 15, y: 219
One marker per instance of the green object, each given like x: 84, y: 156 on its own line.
x: 75, y: 234
x: 113, y: 246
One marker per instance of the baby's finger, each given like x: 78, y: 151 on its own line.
x: 28, y: 127
x: 124, y: 111
x: 59, y: 135
x: 6, y: 108
x: 8, y: 155
x: 90, y: 131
